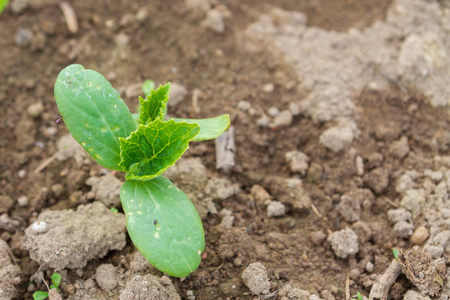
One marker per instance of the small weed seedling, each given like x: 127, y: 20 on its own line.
x: 3, y: 4
x: 52, y: 289
x: 143, y: 145
x: 395, y: 253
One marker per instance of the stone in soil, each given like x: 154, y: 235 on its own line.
x: 105, y: 275
x: 349, y: 208
x: 298, y: 162
x: 403, y: 229
x: 379, y: 180
x: 400, y: 148
x: 276, y: 209
x: 292, y: 290
x: 256, y: 279
x: 177, y: 94
x: 399, y: 214
x: 414, y: 201
x: 419, y: 236
x: 344, y: 242
x: 139, y: 263
x: 75, y: 237
x: 148, y: 287
x: 106, y: 189
x: 23, y: 37
x: 289, y: 191
x: 214, y: 21
x: 283, y: 119
x: 220, y: 188
x: 339, y: 137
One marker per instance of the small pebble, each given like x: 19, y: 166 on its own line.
x: 275, y: 209
x: 122, y: 40
x: 263, y: 122
x: 22, y: 173
x: 35, y: 109
x: 273, y: 111
x: 177, y: 94
x: 18, y: 6
x: 269, y: 88
x: 436, y: 176
x: 283, y: 119
x: 214, y: 21
x: 79, y: 272
x: 50, y: 131
x: 294, y: 108
x: 89, y: 283
x: 244, y: 105
x: 190, y: 295
x: 419, y: 236
x: 354, y: 273
x: 23, y: 37
x: 298, y: 161
x: 403, y: 229
x: 318, y: 237
x: 22, y: 201
x: 141, y: 15
x: 164, y: 280
x: 369, y: 267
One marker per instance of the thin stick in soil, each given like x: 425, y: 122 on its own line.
x: 71, y: 17
x: 45, y: 163
x: 381, y: 287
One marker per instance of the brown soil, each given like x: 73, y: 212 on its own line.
x: 170, y: 45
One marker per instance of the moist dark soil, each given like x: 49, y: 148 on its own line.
x: 170, y: 45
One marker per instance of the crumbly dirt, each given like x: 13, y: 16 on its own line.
x: 170, y: 44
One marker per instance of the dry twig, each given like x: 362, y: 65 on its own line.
x: 381, y: 287
x: 45, y: 163
x: 71, y: 17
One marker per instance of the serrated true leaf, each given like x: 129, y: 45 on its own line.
x: 164, y: 225
x: 151, y: 149
x: 155, y: 105
x: 94, y: 113
x: 210, y: 128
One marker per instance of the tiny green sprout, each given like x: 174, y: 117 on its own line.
x: 56, y: 280
x: 3, y: 4
x: 162, y: 222
x: 395, y: 253
x: 148, y: 86
x: 114, y: 210
x: 358, y: 296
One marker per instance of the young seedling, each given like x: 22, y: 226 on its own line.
x: 161, y: 220
x: 3, y: 4
x: 395, y: 253
x: 52, y: 289
x: 358, y: 296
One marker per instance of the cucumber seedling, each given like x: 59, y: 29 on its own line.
x: 52, y: 289
x: 142, y: 145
